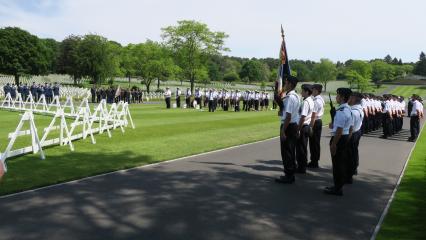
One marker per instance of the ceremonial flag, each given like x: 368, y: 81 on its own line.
x: 284, y: 68
x: 118, y: 92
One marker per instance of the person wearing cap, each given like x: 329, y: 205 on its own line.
x: 364, y: 105
x: 177, y: 96
x: 357, y: 117
x: 305, y: 115
x: 415, y: 115
x: 288, y: 130
x: 167, y: 96
x: 237, y: 96
x: 316, y: 126
x: 338, y: 143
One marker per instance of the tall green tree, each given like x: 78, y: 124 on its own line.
x: 52, y: 52
x: 381, y: 71
x: 324, y: 71
x: 359, y: 74
x: 67, y: 62
x: 95, y: 57
x: 192, y: 41
x: 420, y: 67
x: 255, y: 71
x: 22, y: 53
x: 153, y: 62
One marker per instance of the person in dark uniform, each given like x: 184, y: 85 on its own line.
x: 13, y: 91
x: 177, y: 96
x: 33, y: 90
x: 56, y: 89
x: 188, y: 98
x: 316, y: 126
x: 20, y: 89
x: 288, y: 130
x: 339, y: 141
x: 410, y: 105
x: 26, y: 92
x: 93, y: 93
x: 6, y: 89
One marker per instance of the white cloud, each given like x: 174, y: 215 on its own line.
x: 330, y: 28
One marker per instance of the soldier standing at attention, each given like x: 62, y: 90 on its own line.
x: 415, y: 115
x: 338, y: 143
x: 188, y: 98
x: 305, y: 114
x: 357, y: 117
x: 316, y: 126
x: 288, y: 130
x: 167, y: 96
x: 178, y: 93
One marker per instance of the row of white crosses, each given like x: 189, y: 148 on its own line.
x: 100, y: 121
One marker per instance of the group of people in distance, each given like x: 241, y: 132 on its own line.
x: 226, y: 99
x: 36, y: 90
x: 116, y: 94
x: 356, y: 114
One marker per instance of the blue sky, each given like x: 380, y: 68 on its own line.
x: 334, y: 29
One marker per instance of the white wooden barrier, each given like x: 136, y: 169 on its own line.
x: 35, y: 141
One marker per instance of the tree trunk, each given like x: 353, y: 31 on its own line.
x: 129, y: 80
x: 158, y: 83
x: 16, y: 79
x: 192, y: 84
x: 147, y: 84
x: 325, y: 86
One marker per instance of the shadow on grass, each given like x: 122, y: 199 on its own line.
x: 179, y: 201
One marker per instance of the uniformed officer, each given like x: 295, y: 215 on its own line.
x: 305, y: 114
x: 177, y: 96
x: 387, y: 117
x: 415, y: 115
x: 288, y: 130
x: 13, y: 91
x: 339, y: 141
x: 6, y: 89
x: 167, y: 96
x: 188, y: 98
x: 316, y: 126
x: 357, y: 117
x: 198, y: 97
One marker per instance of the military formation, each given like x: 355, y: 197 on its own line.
x: 357, y: 114
x: 227, y: 100
x: 116, y: 94
x: 36, y: 90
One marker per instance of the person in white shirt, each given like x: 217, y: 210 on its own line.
x: 237, y: 96
x: 178, y: 93
x: 267, y: 101
x: 415, y: 115
x: 305, y: 118
x: 387, y: 117
x: 198, y: 97
x: 357, y: 117
x: 339, y: 141
x: 167, y: 96
x: 288, y: 130
x: 188, y: 98
x: 316, y: 126
x: 364, y: 105
x: 211, y: 97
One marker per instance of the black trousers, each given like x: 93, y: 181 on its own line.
x: 237, y: 106
x: 339, y: 161
x: 188, y: 102
x: 302, y: 148
x: 353, y: 159
x: 315, y: 141
x: 414, y: 127
x: 178, y: 102
x: 199, y: 102
x: 288, y: 148
x: 168, y: 102
x: 211, y: 106
x: 387, y: 125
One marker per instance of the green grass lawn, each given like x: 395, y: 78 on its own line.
x: 406, y: 218
x: 160, y: 135
x: 407, y: 91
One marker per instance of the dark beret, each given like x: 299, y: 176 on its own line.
x: 317, y: 87
x: 344, y: 92
x: 292, y: 80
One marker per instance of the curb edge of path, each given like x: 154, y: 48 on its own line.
x: 386, y: 210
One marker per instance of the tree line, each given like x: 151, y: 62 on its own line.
x: 189, y: 51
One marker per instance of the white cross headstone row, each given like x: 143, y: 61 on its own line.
x: 118, y: 116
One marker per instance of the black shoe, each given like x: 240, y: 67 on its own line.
x: 313, y: 165
x: 285, y: 179
x: 333, y: 191
x: 301, y: 170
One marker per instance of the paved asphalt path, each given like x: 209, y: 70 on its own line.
x: 228, y: 194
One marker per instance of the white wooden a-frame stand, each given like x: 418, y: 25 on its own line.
x: 35, y: 141
x: 7, y: 101
x: 41, y: 102
x: 30, y: 101
x: 63, y: 129
x: 69, y: 106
